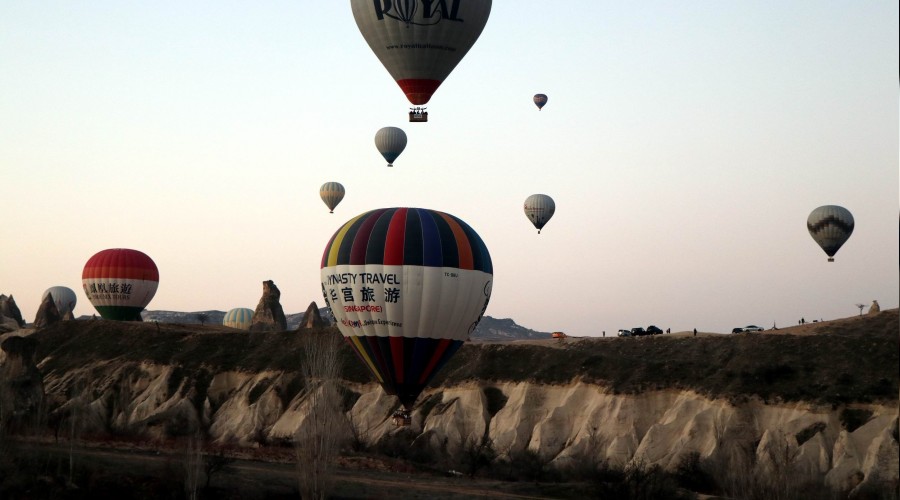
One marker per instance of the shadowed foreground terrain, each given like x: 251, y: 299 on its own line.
x: 808, y: 409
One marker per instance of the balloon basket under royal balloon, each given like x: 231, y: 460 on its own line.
x: 401, y: 418
x: 418, y: 115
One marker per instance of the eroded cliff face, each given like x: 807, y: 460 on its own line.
x: 563, y: 425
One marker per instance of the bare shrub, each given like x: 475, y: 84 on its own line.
x: 316, y: 442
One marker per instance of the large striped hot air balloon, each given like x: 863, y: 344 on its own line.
x: 539, y: 208
x: 239, y: 317
x: 419, y: 42
x: 390, y: 142
x: 120, y: 283
x: 407, y: 286
x: 64, y: 298
x: 830, y: 226
x: 331, y: 193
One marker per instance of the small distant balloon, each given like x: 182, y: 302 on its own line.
x: 830, y: 226
x: 239, y: 317
x: 64, y: 298
x: 331, y: 193
x: 120, y: 282
x: 540, y: 100
x: 390, y: 142
x: 539, y: 208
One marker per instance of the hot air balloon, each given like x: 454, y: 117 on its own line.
x: 539, y: 208
x: 406, y: 286
x: 419, y: 42
x: 540, y: 100
x: 331, y: 193
x: 120, y: 283
x: 239, y: 317
x: 390, y: 142
x: 64, y: 298
x: 830, y: 226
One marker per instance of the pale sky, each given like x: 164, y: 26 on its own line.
x: 684, y: 143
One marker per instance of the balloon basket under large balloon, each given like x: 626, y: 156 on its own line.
x: 830, y: 259
x: 390, y: 164
x: 418, y: 115
x: 401, y: 418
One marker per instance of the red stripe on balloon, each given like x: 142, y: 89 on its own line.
x: 418, y: 90
x: 396, y: 233
x: 121, y: 263
x: 435, y: 358
x: 397, y: 354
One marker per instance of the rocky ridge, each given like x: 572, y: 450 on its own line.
x: 565, y: 403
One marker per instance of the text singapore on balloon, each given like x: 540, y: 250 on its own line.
x: 539, y: 208
x: 120, y: 282
x: 419, y: 42
x: 830, y: 226
x: 406, y: 286
x: 331, y: 193
x: 63, y: 297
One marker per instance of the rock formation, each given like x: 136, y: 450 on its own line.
x: 21, y: 384
x: 874, y: 308
x: 312, y: 318
x: 47, y: 313
x: 269, y: 316
x: 10, y: 316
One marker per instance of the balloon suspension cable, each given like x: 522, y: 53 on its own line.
x: 401, y: 417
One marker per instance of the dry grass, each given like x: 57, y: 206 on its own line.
x: 836, y: 362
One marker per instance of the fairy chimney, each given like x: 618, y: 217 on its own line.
x: 874, y: 308
x: 47, y: 314
x: 269, y: 316
x: 312, y: 318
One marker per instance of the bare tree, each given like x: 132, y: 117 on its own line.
x: 316, y: 441
x: 202, y: 317
x: 193, y: 464
x: 860, y: 306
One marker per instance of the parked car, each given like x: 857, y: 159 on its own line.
x: 752, y: 328
x: 624, y: 333
x: 654, y: 330
x: 638, y: 331
x: 737, y: 330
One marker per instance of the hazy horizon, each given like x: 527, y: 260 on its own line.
x: 684, y: 146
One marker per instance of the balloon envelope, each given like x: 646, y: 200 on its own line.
x: 830, y: 226
x: 420, y: 42
x: 239, y: 317
x: 406, y: 286
x: 331, y: 193
x: 64, y: 298
x: 390, y: 142
x: 540, y: 100
x: 539, y: 208
x: 120, y: 282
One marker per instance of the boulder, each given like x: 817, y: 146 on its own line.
x: 21, y: 384
x: 874, y: 308
x: 9, y: 312
x: 48, y: 313
x: 269, y: 316
x: 312, y: 318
